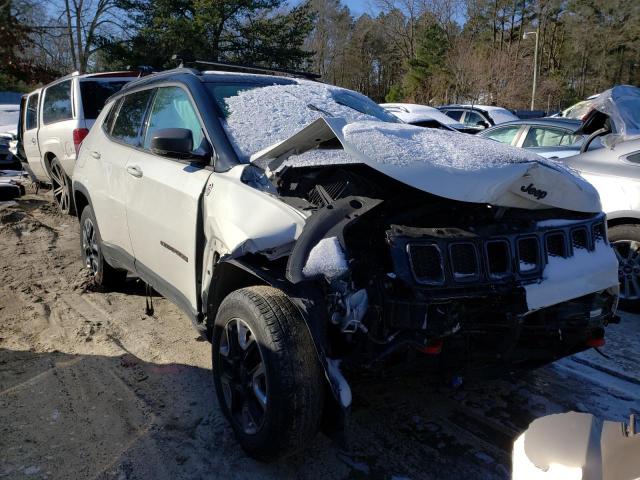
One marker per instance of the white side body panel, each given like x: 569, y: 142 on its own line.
x: 162, y: 214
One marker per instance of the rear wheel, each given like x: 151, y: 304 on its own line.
x: 61, y: 188
x: 91, y: 244
x: 625, y: 240
x: 267, y: 376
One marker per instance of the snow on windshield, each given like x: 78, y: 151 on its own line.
x: 261, y: 117
x: 403, y: 145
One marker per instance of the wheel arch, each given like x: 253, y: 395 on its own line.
x: 626, y: 217
x: 47, y: 159
x: 81, y: 197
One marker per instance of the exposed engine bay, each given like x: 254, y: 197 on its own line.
x: 401, y: 270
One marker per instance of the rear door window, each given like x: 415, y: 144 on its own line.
x: 473, y: 119
x: 31, y: 114
x: 504, y: 134
x: 455, y: 114
x: 543, y: 137
x: 128, y: 122
x: 56, y: 106
x: 94, y: 94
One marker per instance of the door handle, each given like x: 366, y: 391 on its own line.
x: 95, y: 155
x: 135, y: 171
x: 33, y: 139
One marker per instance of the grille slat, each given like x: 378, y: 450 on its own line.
x: 426, y: 263
x: 499, y: 258
x: 556, y: 245
x: 464, y: 261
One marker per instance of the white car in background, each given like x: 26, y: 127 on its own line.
x: 8, y: 131
x: 478, y: 117
x: 424, y: 116
x: 55, y: 119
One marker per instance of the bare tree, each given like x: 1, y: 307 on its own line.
x: 84, y: 21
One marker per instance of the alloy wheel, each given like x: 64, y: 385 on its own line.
x: 243, y: 376
x: 628, y: 254
x: 90, y: 246
x: 60, y: 187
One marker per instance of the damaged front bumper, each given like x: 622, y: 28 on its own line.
x: 549, y: 263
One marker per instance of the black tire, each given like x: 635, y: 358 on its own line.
x: 625, y: 240
x: 61, y: 187
x: 103, y: 274
x: 293, y: 380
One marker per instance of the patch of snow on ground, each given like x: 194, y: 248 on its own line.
x: 405, y: 145
x: 261, y: 117
x: 333, y: 366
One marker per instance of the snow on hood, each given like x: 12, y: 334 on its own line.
x: 622, y: 105
x: 444, y: 163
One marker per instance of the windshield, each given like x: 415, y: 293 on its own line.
x: 258, y: 116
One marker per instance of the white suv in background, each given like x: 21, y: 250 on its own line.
x: 53, y: 122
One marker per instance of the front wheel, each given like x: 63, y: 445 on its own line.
x: 61, y: 185
x: 267, y: 375
x: 625, y: 240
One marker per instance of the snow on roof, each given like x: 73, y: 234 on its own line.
x: 622, y: 104
x: 412, y: 113
x: 498, y: 114
x: 261, y: 117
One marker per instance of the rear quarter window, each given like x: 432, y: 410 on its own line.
x: 56, y: 106
x: 95, y: 93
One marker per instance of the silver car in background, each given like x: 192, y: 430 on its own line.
x: 615, y: 172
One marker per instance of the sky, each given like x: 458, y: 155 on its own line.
x: 357, y: 7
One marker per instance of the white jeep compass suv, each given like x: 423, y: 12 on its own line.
x: 308, y: 233
x: 53, y: 122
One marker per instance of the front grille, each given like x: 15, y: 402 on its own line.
x: 426, y: 263
x: 443, y: 256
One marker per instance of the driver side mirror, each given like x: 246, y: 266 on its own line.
x: 178, y: 143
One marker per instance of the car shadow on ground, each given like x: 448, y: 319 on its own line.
x: 90, y: 416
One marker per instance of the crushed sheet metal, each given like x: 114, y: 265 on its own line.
x: 510, y: 179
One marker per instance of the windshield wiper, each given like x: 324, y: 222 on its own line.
x: 311, y: 106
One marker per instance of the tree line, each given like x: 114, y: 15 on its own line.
x: 423, y: 51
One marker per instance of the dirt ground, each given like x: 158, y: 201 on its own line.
x: 91, y: 387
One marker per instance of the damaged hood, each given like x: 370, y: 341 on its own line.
x: 448, y: 164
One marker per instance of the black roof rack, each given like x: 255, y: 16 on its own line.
x: 237, y: 67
